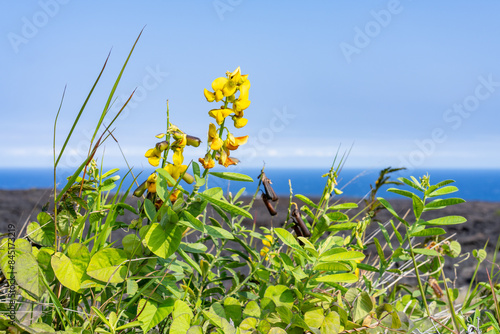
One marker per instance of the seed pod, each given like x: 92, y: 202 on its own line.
x: 193, y: 141
x: 297, y: 230
x: 267, y: 187
x: 298, y: 221
x: 435, y: 286
x: 268, y: 205
x: 140, y: 190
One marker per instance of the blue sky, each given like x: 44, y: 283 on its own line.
x: 405, y: 83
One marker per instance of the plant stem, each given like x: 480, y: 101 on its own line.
x: 424, y: 300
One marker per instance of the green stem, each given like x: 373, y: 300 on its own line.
x: 424, y: 300
x: 450, y: 302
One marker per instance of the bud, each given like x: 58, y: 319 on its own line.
x: 162, y: 146
x: 140, y: 190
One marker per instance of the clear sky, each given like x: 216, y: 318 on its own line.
x: 405, y: 83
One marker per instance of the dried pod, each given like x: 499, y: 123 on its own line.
x: 267, y: 187
x: 268, y: 205
x: 298, y: 221
x: 435, y: 286
x: 297, y: 230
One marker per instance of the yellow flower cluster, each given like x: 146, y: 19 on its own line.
x: 175, y: 169
x: 226, y: 89
x: 267, y: 244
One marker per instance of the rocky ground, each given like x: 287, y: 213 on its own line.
x: 18, y: 207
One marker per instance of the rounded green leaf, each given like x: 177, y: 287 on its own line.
x: 277, y: 330
x: 108, y: 265
x: 151, y: 314
x: 70, y: 269
x: 163, y: 243
x: 314, y: 317
x: 44, y: 236
x: 28, y: 274
x: 280, y: 295
x: 331, y: 324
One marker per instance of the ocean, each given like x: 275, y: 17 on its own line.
x: 473, y: 184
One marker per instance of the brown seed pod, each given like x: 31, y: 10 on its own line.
x: 435, y: 286
x: 268, y: 205
x: 267, y: 187
x: 298, y: 221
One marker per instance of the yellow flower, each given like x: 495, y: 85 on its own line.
x: 239, y: 122
x: 232, y: 142
x: 225, y: 160
x: 209, y: 95
x: 173, y: 195
x: 267, y: 242
x: 153, y: 155
x: 176, y: 171
x: 207, y: 162
x: 220, y: 114
x: 244, y: 88
x: 240, y: 105
x: 151, y: 183
x: 213, y: 138
x: 263, y: 252
x: 178, y: 158
x: 218, y: 83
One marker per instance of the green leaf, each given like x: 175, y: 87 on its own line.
x: 132, y: 245
x: 331, y: 324
x: 412, y: 184
x: 194, y: 222
x: 232, y: 176
x: 228, y: 207
x: 447, y: 220
x: 108, y: 265
x: 425, y: 251
x: 218, y: 232
x: 314, y: 317
x: 286, y: 237
x: 193, y: 247
x: 42, y: 233
x: 343, y: 206
x: 389, y: 208
x: 337, y: 216
x: 70, y: 270
x: 338, y: 278
x: 28, y: 274
x: 380, y: 252
x: 363, y: 305
x: 219, y: 322
x: 429, y: 232
x: 163, y: 242
x: 443, y: 191
x: 151, y: 314
x: 306, y: 200
x: 181, y: 324
x: 404, y: 193
x: 342, y: 226
x: 150, y: 209
x: 276, y: 330
x: 196, y: 168
x: 195, y: 330
x: 233, y: 309
x: 441, y: 203
x: 343, y: 256
x: 418, y: 206
x: 252, y: 309
x: 280, y: 295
